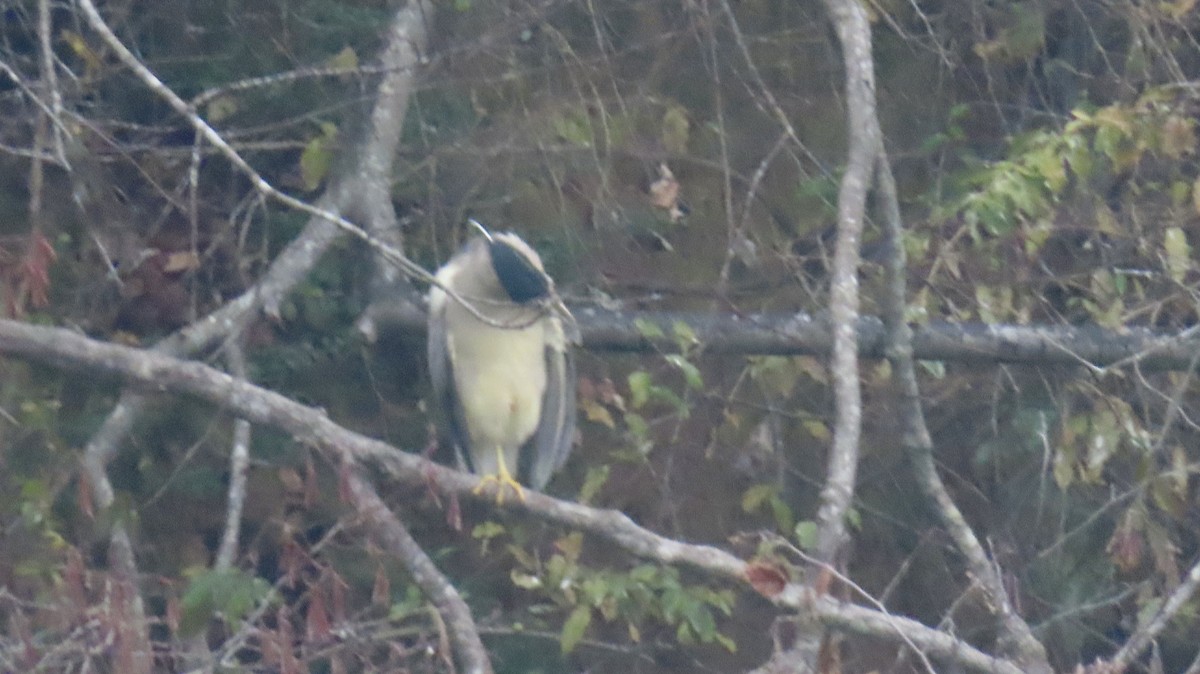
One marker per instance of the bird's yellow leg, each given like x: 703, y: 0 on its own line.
x: 502, y: 478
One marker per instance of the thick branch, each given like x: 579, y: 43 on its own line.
x: 158, y: 372
x: 934, y: 644
x: 802, y: 334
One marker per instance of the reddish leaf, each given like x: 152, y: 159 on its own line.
x: 291, y: 481
x: 338, y: 592
x: 431, y: 447
x: 291, y: 562
x: 316, y: 622
x: 19, y: 624
x: 270, y: 648
x: 587, y: 389
x: 83, y: 495
x: 1125, y: 549
x: 823, y: 581
x: 381, y: 590
x: 35, y: 269
x: 767, y: 579
x: 609, y: 395
x: 288, y: 664
x: 180, y: 261
x: 664, y: 191
x: 74, y: 581
x: 174, y: 613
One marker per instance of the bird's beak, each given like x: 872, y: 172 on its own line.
x: 570, y: 326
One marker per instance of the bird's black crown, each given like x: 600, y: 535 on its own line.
x: 520, y: 278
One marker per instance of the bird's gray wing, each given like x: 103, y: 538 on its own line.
x: 551, y: 443
x: 448, y: 409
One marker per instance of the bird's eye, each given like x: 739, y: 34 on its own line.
x: 521, y: 279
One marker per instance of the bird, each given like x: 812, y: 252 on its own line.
x: 501, y: 363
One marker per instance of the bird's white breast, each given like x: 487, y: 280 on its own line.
x: 500, y: 377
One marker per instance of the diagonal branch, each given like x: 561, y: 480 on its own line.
x: 1148, y: 632
x: 1016, y: 636
x: 351, y: 185
x: 916, y: 439
x: 158, y: 372
x: 391, y: 535
x: 355, y: 185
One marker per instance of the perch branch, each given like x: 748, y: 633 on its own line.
x: 158, y: 372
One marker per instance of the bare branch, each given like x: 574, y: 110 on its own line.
x: 1090, y: 346
x: 854, y: 32
x: 917, y: 440
x: 288, y: 269
x: 133, y: 651
x: 267, y: 189
x: 1145, y: 634
x: 159, y: 372
x: 239, y: 463
x: 393, y: 536
x: 350, y: 186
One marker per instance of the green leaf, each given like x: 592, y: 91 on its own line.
x: 685, y: 336
x: 346, y: 59
x: 784, y: 518
x: 701, y: 621
x: 755, y: 496
x: 221, y: 108
x: 639, y: 388
x: 1179, y: 253
x: 637, y: 425
x: 484, y: 532
x: 318, y: 156
x: 666, y: 395
x: 684, y: 634
x: 573, y: 127
x: 691, y: 373
x: 937, y: 368
x: 675, y: 128
x: 648, y: 329
x: 806, y: 534
x: 726, y: 642
x: 525, y: 581
x: 572, y: 631
x: 232, y: 593
x: 643, y: 573
x: 488, y: 529
x: 854, y: 519
x: 595, y: 479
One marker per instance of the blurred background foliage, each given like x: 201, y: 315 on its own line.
x: 1047, y: 161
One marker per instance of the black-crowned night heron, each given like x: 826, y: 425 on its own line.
x: 502, y: 369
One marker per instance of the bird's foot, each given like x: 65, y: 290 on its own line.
x: 502, y: 478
